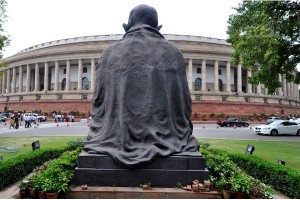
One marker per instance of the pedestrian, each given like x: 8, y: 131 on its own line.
x: 16, y: 124
x: 11, y: 123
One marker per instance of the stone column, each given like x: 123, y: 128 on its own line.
x: 20, y: 78
x: 239, y: 78
x: 190, y: 74
x: 14, y: 78
x: 56, y: 76
x: 228, y: 80
x: 68, y: 75
x: 203, y: 76
x: 79, y: 86
x: 46, y: 77
x: 93, y: 73
x: 216, y: 76
x: 284, y: 86
x: 37, y: 78
x: 288, y: 88
x: 249, y: 85
x: 258, y: 88
x: 0, y: 84
x: 3, y: 82
x: 28, y: 78
x: 279, y: 90
x: 8, y: 81
x: 292, y: 90
x: 266, y: 91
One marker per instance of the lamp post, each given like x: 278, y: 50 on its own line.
x: 249, y: 149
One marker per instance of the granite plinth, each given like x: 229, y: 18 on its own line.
x: 101, y: 170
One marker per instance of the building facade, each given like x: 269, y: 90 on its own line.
x: 60, y: 76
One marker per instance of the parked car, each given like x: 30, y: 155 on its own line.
x: 278, y: 127
x: 271, y: 119
x: 297, y: 120
x: 232, y: 122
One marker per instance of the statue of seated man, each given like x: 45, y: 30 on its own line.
x: 141, y: 106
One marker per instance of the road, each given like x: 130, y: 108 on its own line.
x: 200, y: 131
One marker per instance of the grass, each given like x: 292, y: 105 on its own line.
x: 23, y: 144
x: 267, y: 150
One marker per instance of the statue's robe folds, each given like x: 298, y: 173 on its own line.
x: 141, y: 106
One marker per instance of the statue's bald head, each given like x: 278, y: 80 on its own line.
x: 142, y: 14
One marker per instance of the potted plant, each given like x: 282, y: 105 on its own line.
x: 31, y: 187
x: 38, y: 183
x: 23, y: 186
x: 259, y: 190
x: 241, y: 184
x: 56, y: 180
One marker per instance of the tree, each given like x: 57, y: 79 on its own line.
x: 4, y: 39
x: 266, y: 38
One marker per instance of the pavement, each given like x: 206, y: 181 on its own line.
x: 12, y: 192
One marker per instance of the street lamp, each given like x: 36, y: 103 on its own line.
x: 281, y: 162
x: 249, y: 149
x: 35, y: 145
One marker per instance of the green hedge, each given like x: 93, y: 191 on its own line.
x: 281, y: 178
x: 16, y: 168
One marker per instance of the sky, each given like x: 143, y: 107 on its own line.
x: 32, y: 22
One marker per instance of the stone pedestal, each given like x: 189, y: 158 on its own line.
x: 101, y: 170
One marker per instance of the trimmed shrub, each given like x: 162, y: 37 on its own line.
x: 16, y: 168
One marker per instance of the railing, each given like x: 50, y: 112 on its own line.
x: 115, y: 37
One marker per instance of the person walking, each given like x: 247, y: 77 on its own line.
x: 16, y: 124
x: 27, y: 119
x: 11, y: 123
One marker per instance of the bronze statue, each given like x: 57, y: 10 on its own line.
x: 141, y: 106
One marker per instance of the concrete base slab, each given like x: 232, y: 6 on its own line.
x: 138, y: 193
x: 101, y: 170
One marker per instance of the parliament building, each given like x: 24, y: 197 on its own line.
x: 60, y: 76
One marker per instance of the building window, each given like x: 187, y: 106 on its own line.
x: 60, y: 97
x: 85, y: 83
x: 38, y: 97
x: 198, y: 70
x: 65, y: 71
x: 63, y: 84
x: 247, y: 99
x: 198, y: 83
x: 266, y: 100
x: 220, y: 85
x: 220, y: 72
x: 84, y: 97
x: 224, y: 98
x: 198, y: 98
x: 84, y: 70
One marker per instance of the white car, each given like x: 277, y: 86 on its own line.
x: 278, y: 127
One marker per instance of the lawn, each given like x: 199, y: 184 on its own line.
x: 21, y: 145
x: 268, y: 150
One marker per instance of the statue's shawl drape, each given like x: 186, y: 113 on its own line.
x: 141, y: 106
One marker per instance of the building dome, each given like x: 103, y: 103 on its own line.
x: 60, y: 76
